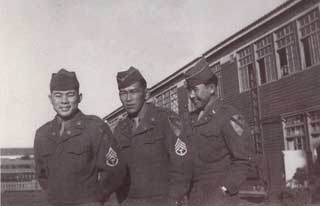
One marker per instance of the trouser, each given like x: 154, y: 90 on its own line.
x: 209, y: 194
x: 154, y: 201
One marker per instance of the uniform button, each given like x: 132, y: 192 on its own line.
x: 53, y: 133
x: 78, y: 123
x: 68, y: 132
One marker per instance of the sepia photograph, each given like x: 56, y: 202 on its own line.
x: 160, y: 102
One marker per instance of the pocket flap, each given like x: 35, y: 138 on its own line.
x: 210, y: 132
x: 78, y: 150
x: 151, y: 139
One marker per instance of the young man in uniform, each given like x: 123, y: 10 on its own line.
x: 76, y: 154
x: 154, y: 147
x: 221, y: 142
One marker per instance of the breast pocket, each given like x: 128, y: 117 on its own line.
x: 151, y: 147
x: 212, y: 145
x: 78, y: 157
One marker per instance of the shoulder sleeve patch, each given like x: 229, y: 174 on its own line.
x: 239, y: 119
x: 237, y: 123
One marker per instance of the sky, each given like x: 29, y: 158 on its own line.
x: 96, y: 39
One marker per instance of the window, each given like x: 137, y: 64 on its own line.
x: 267, y: 70
x: 246, y: 67
x: 287, y: 49
x: 216, y: 69
x: 294, y: 132
x: 310, y: 37
x: 315, y: 123
x: 168, y: 99
x: 303, y: 129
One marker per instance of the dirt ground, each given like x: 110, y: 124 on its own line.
x: 35, y: 198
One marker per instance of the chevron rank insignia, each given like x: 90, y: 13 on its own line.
x: 237, y: 123
x: 180, y: 147
x: 111, y: 158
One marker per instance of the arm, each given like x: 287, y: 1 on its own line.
x: 179, y: 151
x: 238, y: 139
x: 40, y: 165
x: 109, y: 162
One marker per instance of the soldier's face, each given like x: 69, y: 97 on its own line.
x: 65, y: 103
x: 200, y: 95
x: 133, y: 98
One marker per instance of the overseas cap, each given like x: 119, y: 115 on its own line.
x: 200, y: 73
x: 128, y: 77
x: 64, y: 80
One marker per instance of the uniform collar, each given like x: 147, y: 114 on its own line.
x: 147, y: 121
x: 209, y: 111
x: 73, y: 127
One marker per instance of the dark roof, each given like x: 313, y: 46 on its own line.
x: 16, y: 151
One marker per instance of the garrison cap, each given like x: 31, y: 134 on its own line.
x: 200, y: 73
x: 64, y: 80
x: 128, y: 77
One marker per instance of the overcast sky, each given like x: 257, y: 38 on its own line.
x: 96, y: 39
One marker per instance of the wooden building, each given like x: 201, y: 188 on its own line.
x: 270, y: 71
x: 18, y: 170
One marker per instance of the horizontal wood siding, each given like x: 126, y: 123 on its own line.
x: 296, y: 92
x: 273, y: 146
x: 230, y: 92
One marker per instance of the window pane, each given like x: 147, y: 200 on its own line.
x: 310, y: 32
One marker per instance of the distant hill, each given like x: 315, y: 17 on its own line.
x: 16, y: 151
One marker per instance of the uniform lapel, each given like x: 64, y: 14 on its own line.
x: 125, y: 133
x: 208, y: 113
x: 74, y: 128
x: 147, y: 120
x: 54, y: 130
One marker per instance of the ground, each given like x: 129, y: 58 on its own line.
x: 35, y: 198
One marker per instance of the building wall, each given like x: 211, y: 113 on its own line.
x: 273, y: 145
x: 230, y: 90
x: 295, y: 92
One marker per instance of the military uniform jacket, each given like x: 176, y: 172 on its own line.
x: 157, y: 155
x: 67, y: 166
x: 222, y: 147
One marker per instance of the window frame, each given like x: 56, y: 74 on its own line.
x: 175, y: 100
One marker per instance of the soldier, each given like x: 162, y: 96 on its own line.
x: 221, y: 142
x: 154, y: 147
x: 73, y: 149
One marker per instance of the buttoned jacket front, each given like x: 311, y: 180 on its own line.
x: 222, y: 149
x: 158, y: 166
x: 67, y: 166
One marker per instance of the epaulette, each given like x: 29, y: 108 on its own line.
x: 44, y: 128
x: 94, y: 120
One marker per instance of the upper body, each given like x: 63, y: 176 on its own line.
x: 153, y: 143
x: 222, y: 145
x: 74, y: 149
